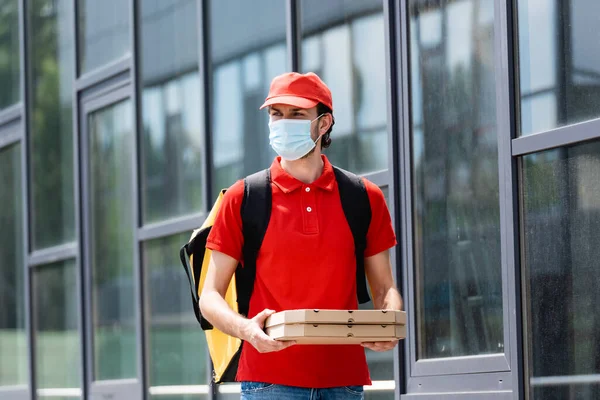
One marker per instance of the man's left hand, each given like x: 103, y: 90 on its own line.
x: 380, y: 346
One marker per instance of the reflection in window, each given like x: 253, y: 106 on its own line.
x: 50, y: 48
x: 559, y: 63
x: 13, y: 340
x: 56, y: 321
x: 103, y: 32
x: 561, y: 200
x: 111, y: 190
x: 455, y: 173
x: 172, y: 149
x: 177, y: 345
x: 246, y: 55
x: 349, y: 55
x: 9, y: 53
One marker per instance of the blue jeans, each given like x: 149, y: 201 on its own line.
x: 267, y: 391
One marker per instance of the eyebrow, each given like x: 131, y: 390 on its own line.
x: 293, y: 109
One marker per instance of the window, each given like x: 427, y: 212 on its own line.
x: 559, y: 63
x: 104, y: 32
x: 561, y: 221
x: 172, y: 145
x: 13, y: 338
x: 56, y: 323
x: 247, y: 54
x: 9, y: 53
x: 50, y: 48
x: 456, y: 208
x: 344, y: 43
x: 112, y: 242
x: 177, y: 345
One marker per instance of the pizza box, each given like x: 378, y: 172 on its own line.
x: 336, y: 334
x: 343, y: 317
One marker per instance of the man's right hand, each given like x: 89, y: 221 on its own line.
x: 253, y: 333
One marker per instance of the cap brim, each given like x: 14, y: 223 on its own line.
x: 295, y: 101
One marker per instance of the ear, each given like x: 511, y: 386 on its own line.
x: 324, y: 124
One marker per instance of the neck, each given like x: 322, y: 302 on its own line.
x: 306, y: 170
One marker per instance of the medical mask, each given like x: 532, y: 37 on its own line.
x: 290, y: 138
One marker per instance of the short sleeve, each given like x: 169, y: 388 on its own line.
x: 226, y: 235
x: 380, y: 235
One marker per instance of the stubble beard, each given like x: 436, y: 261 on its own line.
x: 314, y: 135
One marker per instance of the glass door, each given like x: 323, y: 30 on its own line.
x: 110, y: 210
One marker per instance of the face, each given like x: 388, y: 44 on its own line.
x: 318, y: 128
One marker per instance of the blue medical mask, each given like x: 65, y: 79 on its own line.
x: 290, y: 138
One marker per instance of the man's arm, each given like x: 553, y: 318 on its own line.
x: 216, y: 310
x: 383, y: 289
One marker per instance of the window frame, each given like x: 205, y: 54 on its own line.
x: 497, y: 373
x: 121, y: 388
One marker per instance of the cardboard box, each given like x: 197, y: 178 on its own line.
x: 344, y: 317
x: 336, y: 334
x: 336, y: 326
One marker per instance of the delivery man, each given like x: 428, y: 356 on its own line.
x: 306, y: 260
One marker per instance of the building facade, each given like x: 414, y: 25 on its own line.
x: 120, y: 120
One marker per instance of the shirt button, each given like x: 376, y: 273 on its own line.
x: 307, y: 189
x: 308, y: 209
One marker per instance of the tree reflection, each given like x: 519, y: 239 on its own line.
x: 457, y: 221
x: 51, y: 154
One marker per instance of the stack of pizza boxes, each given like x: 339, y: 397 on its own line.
x: 336, y: 326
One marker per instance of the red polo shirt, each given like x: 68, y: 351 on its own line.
x: 306, y: 261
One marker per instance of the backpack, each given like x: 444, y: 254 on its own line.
x: 225, y: 350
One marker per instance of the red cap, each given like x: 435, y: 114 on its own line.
x: 300, y: 90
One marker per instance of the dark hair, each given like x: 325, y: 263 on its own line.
x: 323, y: 109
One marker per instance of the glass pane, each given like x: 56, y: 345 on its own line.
x: 69, y: 394
x: 50, y: 48
x: 177, y: 345
x: 173, y: 155
x: 381, y: 364
x: 104, y: 32
x: 247, y: 54
x: 182, y: 396
x: 13, y: 340
x: 9, y: 53
x: 226, y: 395
x: 111, y: 139
x: 379, y: 395
x: 344, y: 43
x: 455, y: 173
x: 559, y: 60
x: 56, y: 319
x: 561, y: 221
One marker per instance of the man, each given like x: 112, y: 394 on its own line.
x: 306, y: 260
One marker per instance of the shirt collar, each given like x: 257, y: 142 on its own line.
x: 287, y: 183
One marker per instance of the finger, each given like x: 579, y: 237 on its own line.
x: 385, y: 346
x: 280, y: 345
x: 267, y: 341
x: 380, y: 346
x: 271, y: 345
x: 374, y: 346
x: 263, y: 315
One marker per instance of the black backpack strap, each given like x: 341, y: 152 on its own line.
x: 256, y: 212
x: 357, y: 208
x: 189, y: 272
x: 197, y: 247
